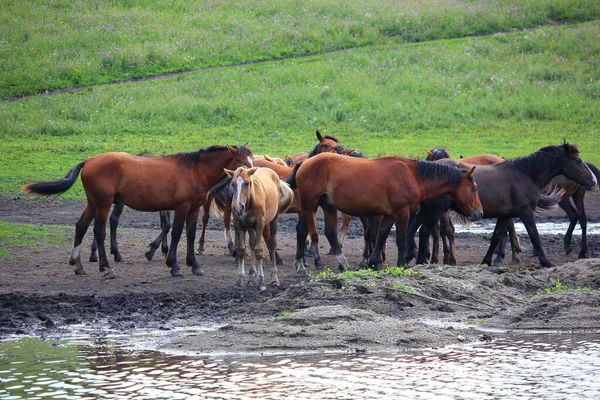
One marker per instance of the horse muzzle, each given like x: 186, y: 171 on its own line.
x: 476, y: 215
x: 239, y: 209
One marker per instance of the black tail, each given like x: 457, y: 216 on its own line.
x: 55, y: 187
x: 292, y: 179
x: 549, y: 199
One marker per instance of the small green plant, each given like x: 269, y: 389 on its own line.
x: 501, y: 281
x: 402, y: 288
x: 284, y: 314
x: 321, y: 276
x: 560, y: 287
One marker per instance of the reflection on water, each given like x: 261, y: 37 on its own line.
x: 544, y: 228
x: 543, y: 366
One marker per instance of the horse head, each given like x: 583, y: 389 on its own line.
x: 572, y: 166
x: 466, y: 198
x: 242, y: 155
x: 437, y: 154
x: 326, y: 143
x: 243, y: 190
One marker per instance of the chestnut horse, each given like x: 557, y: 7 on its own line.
x: 259, y: 196
x: 388, y: 186
x: 179, y: 182
x: 513, y: 188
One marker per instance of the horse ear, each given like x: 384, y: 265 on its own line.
x: 429, y: 154
x: 246, y: 145
x: 347, y: 152
x: 251, y: 171
x: 470, y: 172
x: 229, y: 172
x: 232, y: 149
x: 461, y: 156
x: 319, y: 137
x: 268, y: 158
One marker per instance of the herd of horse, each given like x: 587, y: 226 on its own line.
x: 252, y: 191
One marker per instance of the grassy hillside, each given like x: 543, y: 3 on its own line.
x: 54, y: 44
x: 505, y: 94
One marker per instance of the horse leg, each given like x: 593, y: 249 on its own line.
x: 240, y: 244
x: 191, y: 223
x: 501, y: 250
x: 346, y: 221
x: 422, y: 256
x: 305, y: 218
x: 227, y: 223
x: 401, y: 227
x: 330, y: 216
x: 272, y: 245
x: 499, y: 231
x: 100, y: 234
x: 515, y: 246
x: 81, y: 228
x: 165, y: 227
x: 578, y: 198
x: 413, y: 225
x: 205, y: 217
x: 435, y: 234
x: 447, y: 231
x: 529, y: 222
x: 368, y: 241
x: 93, y: 249
x: 178, y: 222
x: 384, y: 231
x: 256, y: 248
x: 115, y: 215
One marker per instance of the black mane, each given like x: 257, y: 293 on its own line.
x: 544, y: 158
x: 194, y: 157
x: 314, y: 151
x: 433, y: 170
x: 340, y: 150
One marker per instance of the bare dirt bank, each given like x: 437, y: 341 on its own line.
x: 40, y: 295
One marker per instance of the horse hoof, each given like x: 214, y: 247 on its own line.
x: 275, y: 283
x: 309, y: 253
x: 93, y: 259
x: 109, y: 275
x: 582, y: 255
x: 79, y: 272
x: 118, y: 258
x: 149, y: 254
x: 175, y: 272
x: 198, y: 271
x: 201, y: 252
x: 302, y: 273
x: 547, y: 264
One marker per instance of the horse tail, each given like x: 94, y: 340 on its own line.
x: 55, y: 187
x: 287, y: 196
x: 217, y: 208
x: 550, y: 199
x: 292, y: 179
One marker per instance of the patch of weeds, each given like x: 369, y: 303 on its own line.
x: 403, y: 289
x: 559, y: 287
x: 396, y: 272
x: 501, y: 281
x: 322, y: 276
x: 284, y: 314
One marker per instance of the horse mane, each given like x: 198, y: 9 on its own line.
x: 433, y: 170
x: 541, y: 159
x: 314, y: 150
x: 191, y: 158
x: 340, y: 150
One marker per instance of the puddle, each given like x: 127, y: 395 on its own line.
x: 515, y: 366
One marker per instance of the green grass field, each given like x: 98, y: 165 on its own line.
x: 390, y: 92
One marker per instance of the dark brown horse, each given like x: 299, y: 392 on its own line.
x: 445, y: 228
x: 179, y: 182
x: 513, y: 188
x: 388, y: 186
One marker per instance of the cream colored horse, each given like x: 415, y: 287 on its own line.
x: 258, y: 199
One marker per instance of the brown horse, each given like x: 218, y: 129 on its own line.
x: 295, y: 158
x: 259, y: 196
x: 513, y: 188
x: 388, y: 186
x: 179, y: 182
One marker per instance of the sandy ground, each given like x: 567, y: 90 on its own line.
x: 40, y: 295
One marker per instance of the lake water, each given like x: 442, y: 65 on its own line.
x: 513, y: 366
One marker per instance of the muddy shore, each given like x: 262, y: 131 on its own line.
x: 440, y: 305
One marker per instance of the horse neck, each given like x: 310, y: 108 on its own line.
x: 541, y: 173
x: 211, y: 165
x: 435, y: 187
